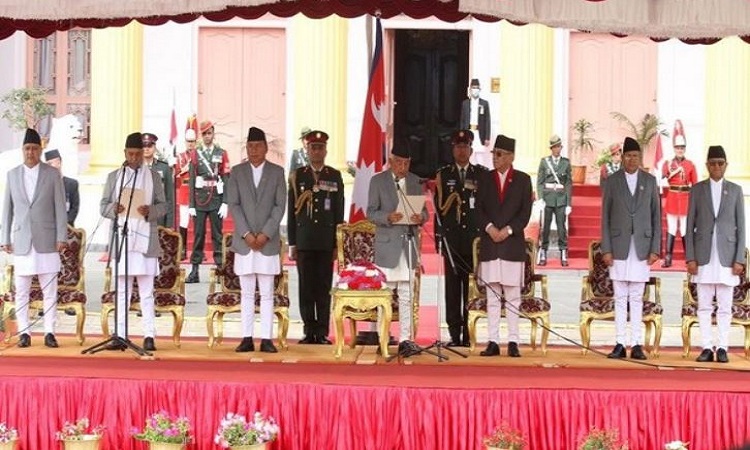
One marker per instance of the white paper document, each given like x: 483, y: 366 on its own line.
x: 408, y: 205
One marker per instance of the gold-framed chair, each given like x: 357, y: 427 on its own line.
x: 224, y: 296
x: 740, y: 310
x: 169, y: 286
x: 356, y: 242
x: 598, y: 302
x: 71, y: 284
x: 533, y: 307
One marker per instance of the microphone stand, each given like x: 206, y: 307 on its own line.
x: 117, y: 342
x: 411, y: 247
x: 442, y: 242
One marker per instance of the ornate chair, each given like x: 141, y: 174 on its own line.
x: 71, y: 287
x: 226, y: 299
x: 532, y: 307
x: 169, y: 285
x: 356, y: 242
x: 598, y: 303
x: 740, y: 310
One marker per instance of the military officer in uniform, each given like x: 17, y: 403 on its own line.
x: 316, y: 207
x: 615, y: 150
x: 165, y: 174
x: 680, y: 174
x: 299, y: 155
x: 208, y: 174
x: 72, y: 197
x: 553, y: 186
x: 455, y: 198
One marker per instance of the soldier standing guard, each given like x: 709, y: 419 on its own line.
x: 680, y: 174
x: 208, y: 174
x: 182, y: 179
x: 316, y: 207
x: 455, y: 198
x: 165, y: 173
x: 299, y: 155
x: 554, y: 185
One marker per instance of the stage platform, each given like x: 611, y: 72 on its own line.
x: 360, y: 401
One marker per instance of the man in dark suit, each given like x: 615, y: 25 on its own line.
x: 455, y: 202
x: 715, y: 250
x: 208, y: 175
x: 631, y: 236
x: 554, y: 186
x: 316, y: 207
x: 165, y: 173
x: 72, y: 198
x: 475, y: 116
x: 504, y: 206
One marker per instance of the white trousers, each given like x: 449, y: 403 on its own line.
x: 724, y: 294
x: 146, y: 292
x: 247, y: 304
x: 629, y: 292
x: 405, y: 331
x: 512, y: 305
x: 48, y: 283
x: 184, y: 218
x: 673, y: 221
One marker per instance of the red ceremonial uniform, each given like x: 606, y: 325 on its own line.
x: 182, y: 175
x: 679, y: 185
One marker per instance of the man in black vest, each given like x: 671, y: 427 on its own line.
x: 455, y: 201
x: 316, y: 207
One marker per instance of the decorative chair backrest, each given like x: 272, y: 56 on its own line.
x: 169, y: 259
x: 601, y: 284
x: 355, y: 242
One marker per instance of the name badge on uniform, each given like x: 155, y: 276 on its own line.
x: 219, y: 186
x: 327, y: 204
x: 216, y: 159
x: 470, y: 184
x: 199, y: 183
x: 471, y: 202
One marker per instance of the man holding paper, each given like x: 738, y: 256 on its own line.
x: 394, y: 206
x: 143, y: 191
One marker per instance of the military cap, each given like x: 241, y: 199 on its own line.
x: 316, y: 137
x: 462, y: 137
x: 205, y: 126
x: 554, y: 141
x: 149, y: 138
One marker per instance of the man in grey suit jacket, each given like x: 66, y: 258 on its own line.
x: 34, y: 231
x: 142, y: 239
x: 715, y: 249
x: 631, y: 235
x: 391, y: 243
x: 256, y: 195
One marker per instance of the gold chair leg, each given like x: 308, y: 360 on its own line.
x: 686, y: 324
x: 353, y: 334
x: 178, y: 312
x: 647, y: 325
x: 585, y: 326
x: 533, y: 334
x: 545, y: 332
x: 747, y: 340
x: 220, y: 327
x: 106, y: 309
x: 655, y: 352
x: 471, y: 323
x: 80, y: 310
x: 282, y: 314
x: 210, y: 326
x: 8, y: 308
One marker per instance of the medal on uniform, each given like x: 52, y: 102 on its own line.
x: 471, y: 202
x: 316, y: 188
x: 327, y: 204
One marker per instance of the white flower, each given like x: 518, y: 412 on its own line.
x: 676, y: 445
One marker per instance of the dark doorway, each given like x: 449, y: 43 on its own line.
x: 431, y: 78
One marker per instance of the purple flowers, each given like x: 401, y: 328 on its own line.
x: 235, y: 430
x: 163, y: 427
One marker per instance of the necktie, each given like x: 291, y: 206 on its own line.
x: 462, y: 174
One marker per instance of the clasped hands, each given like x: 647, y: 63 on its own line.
x: 395, y: 216
x: 256, y: 241
x: 498, y: 234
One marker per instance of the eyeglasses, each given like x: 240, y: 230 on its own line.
x: 717, y: 163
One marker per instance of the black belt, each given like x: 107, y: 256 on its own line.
x: 679, y: 188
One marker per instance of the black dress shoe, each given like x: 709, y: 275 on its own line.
x: 70, y: 312
x: 721, y: 356
x: 266, y: 345
x: 491, y: 350
x: 513, y: 350
x: 50, y: 341
x: 116, y: 345
x: 454, y: 343
x: 308, y: 339
x: 323, y: 340
x: 246, y: 345
x: 617, y: 352
x: 407, y: 348
x: 193, y: 276
x: 149, y: 345
x: 637, y: 353
x: 707, y: 355
x: 24, y: 340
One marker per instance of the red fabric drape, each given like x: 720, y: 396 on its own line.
x: 376, y: 418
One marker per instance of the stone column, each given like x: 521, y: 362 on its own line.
x: 116, y: 92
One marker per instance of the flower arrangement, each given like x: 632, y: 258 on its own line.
x: 606, y: 439
x: 676, y: 445
x: 361, y: 275
x: 163, y: 427
x: 80, y: 430
x: 7, y: 433
x: 506, y: 437
x: 235, y: 430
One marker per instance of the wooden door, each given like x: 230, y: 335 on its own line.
x: 431, y: 75
x: 242, y: 83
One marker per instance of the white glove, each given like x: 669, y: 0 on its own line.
x: 192, y: 212
x: 568, y: 210
x: 223, y: 210
x: 540, y: 203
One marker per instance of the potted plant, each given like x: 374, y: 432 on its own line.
x: 602, y: 439
x: 505, y: 438
x: 676, y: 445
x: 80, y: 435
x: 236, y: 433
x: 163, y: 431
x: 25, y: 107
x: 8, y: 437
x: 582, y: 145
x: 644, y: 131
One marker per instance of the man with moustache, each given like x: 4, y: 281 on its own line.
x: 165, y: 173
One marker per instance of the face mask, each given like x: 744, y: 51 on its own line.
x: 475, y: 92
